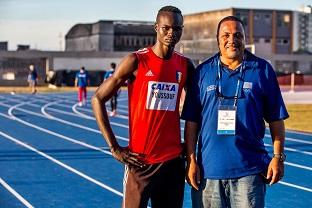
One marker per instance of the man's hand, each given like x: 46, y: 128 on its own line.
x: 275, y: 171
x: 193, y: 174
x: 125, y: 156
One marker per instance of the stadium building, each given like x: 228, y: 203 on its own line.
x: 281, y: 37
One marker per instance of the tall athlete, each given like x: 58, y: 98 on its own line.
x: 156, y: 76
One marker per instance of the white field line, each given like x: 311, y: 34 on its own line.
x: 17, y: 195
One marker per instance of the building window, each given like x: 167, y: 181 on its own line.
x: 267, y: 16
x: 257, y: 16
x: 283, y: 20
x: 256, y: 40
x: 286, y: 18
x: 285, y: 42
x: 267, y: 40
x: 243, y: 17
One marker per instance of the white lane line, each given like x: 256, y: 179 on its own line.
x: 298, y: 140
x: 17, y: 195
x: 295, y: 186
x: 97, y: 182
x: 286, y: 148
x: 78, y: 113
x: 57, y: 134
x: 11, y: 108
x: 53, y: 133
x: 284, y: 183
x: 292, y: 139
x: 298, y: 166
x: 291, y: 149
x: 62, y: 164
x: 299, y: 132
x: 74, y: 108
x: 126, y: 117
x: 84, y: 127
x: 77, y: 125
x: 126, y: 139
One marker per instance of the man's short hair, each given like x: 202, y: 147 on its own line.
x: 228, y: 18
x: 169, y: 9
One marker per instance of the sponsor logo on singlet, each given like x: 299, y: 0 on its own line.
x: 162, y: 96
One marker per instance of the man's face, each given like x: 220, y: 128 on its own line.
x: 231, y: 40
x: 169, y: 28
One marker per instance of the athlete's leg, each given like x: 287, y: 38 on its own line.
x: 167, y: 188
x: 136, y: 186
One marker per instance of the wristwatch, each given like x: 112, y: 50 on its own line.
x: 281, y: 157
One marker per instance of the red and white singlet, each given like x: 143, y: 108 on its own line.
x: 154, y: 98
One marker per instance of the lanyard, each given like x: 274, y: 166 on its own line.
x: 238, y: 81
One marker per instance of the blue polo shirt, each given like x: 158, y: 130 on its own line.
x: 82, y: 79
x: 259, y: 100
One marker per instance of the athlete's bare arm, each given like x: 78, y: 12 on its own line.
x: 126, y: 70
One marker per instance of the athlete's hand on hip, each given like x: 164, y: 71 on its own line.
x: 125, y: 156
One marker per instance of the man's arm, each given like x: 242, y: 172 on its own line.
x: 192, y: 169
x: 276, y: 166
x: 108, y: 88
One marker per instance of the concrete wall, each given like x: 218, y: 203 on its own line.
x: 90, y: 63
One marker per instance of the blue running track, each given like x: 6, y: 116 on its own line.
x: 53, y: 155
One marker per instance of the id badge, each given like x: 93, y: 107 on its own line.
x: 226, y: 120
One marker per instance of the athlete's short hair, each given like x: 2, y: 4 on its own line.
x: 228, y: 18
x: 169, y: 9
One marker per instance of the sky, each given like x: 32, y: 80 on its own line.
x: 43, y: 24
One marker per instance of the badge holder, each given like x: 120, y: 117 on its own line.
x: 226, y: 120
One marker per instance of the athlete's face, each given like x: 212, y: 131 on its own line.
x: 231, y: 40
x: 169, y: 27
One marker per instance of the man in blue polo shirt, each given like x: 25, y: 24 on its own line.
x: 231, y: 96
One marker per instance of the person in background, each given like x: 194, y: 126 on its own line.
x: 82, y: 81
x: 156, y: 75
x: 113, y: 100
x: 32, y: 78
x: 233, y: 93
